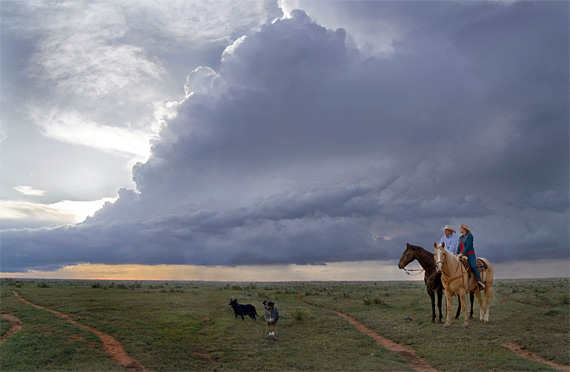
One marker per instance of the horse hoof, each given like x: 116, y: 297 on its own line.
x: 446, y: 324
x: 433, y: 320
x: 464, y: 325
x: 439, y: 321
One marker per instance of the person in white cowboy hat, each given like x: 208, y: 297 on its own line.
x: 449, y: 238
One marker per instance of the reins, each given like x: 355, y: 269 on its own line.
x: 459, y: 265
x: 419, y: 271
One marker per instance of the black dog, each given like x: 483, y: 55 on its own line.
x: 242, y: 310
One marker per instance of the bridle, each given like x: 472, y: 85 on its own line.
x: 459, y: 265
x: 419, y: 271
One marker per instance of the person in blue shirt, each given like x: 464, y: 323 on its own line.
x: 449, y: 238
x: 465, y: 248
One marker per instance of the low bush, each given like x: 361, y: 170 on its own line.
x: 376, y: 300
x: 299, y: 314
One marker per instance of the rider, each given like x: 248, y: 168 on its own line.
x: 465, y: 248
x: 449, y: 238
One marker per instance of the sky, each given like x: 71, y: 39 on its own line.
x: 281, y: 140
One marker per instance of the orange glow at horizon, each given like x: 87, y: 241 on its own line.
x: 340, y: 271
x: 347, y: 271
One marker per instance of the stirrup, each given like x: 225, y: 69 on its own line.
x: 481, y: 285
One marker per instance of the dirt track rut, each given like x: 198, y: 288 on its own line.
x: 16, y: 326
x: 113, y: 347
x: 522, y: 352
x: 418, y: 363
x: 406, y: 352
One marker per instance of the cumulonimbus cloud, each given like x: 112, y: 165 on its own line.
x: 299, y: 148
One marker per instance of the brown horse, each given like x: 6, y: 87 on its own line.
x: 456, y: 279
x: 432, y: 278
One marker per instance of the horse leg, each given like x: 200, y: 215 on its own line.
x: 480, y: 300
x: 439, y: 296
x: 488, y: 297
x: 471, y: 298
x: 448, y: 298
x: 432, y: 297
x: 458, y: 309
x: 462, y: 299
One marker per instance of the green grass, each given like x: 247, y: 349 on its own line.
x: 531, y: 313
x: 188, y: 326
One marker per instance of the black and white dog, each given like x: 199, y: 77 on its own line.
x: 271, y: 316
x: 242, y: 310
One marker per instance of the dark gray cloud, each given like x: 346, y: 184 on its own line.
x: 303, y: 149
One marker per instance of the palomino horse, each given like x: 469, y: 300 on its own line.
x: 457, y: 280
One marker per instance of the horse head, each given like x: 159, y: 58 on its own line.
x: 439, y: 254
x: 407, y: 256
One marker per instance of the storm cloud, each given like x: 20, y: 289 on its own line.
x: 307, y: 144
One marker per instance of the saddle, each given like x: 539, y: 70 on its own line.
x: 481, y: 265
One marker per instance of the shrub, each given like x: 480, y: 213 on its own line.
x: 299, y: 314
x: 374, y: 301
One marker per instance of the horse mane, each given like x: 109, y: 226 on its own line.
x: 423, y: 255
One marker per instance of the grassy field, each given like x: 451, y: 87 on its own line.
x: 188, y: 326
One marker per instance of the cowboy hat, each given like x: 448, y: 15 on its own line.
x: 448, y: 227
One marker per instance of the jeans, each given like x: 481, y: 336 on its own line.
x: 473, y: 263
